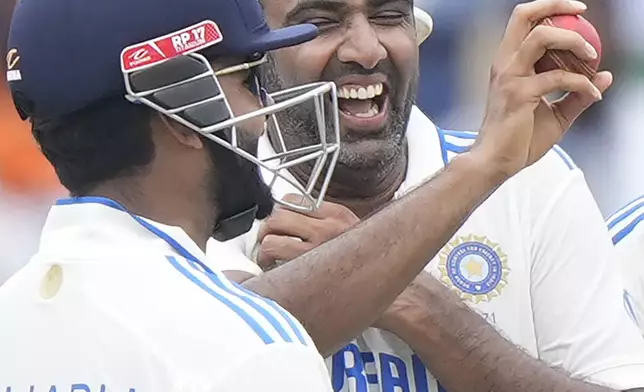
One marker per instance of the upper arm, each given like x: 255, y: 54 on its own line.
x: 576, y: 289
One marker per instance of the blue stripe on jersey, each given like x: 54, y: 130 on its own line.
x: 628, y: 304
x: 258, y: 306
x: 628, y: 229
x: 441, y: 137
x: 564, y: 157
x: 447, y: 147
x: 249, y: 298
x: 454, y: 148
x: 625, y: 212
x: 460, y: 134
x: 221, y: 297
x: 289, y: 318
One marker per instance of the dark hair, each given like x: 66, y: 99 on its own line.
x: 107, y: 140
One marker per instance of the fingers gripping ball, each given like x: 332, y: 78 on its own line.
x: 564, y: 59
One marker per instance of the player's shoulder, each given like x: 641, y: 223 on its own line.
x: 453, y: 143
x: 627, y: 222
x: 554, y: 161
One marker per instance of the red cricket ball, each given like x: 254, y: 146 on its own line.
x: 564, y: 59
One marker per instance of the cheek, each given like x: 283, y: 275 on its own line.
x: 242, y: 102
x: 402, y: 50
x: 304, y: 63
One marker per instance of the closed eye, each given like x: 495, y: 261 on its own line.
x: 322, y: 23
x: 390, y: 18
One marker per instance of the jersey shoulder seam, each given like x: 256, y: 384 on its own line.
x: 456, y: 142
x: 626, y: 220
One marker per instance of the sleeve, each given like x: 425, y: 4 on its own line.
x: 230, y: 256
x: 580, y: 320
x: 276, y: 369
x: 626, y: 230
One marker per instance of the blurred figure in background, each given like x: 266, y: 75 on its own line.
x: 606, y: 143
x: 27, y: 181
x: 623, y: 179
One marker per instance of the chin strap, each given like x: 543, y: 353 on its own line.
x: 236, y: 225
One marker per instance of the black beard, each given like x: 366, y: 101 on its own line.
x: 299, y: 124
x: 237, y: 185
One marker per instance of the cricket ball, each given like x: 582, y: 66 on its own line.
x: 565, y: 59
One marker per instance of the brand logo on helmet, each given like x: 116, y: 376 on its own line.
x: 182, y: 42
x: 12, y: 62
x: 139, y: 54
x: 12, y: 59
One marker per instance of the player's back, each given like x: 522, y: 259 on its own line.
x: 120, y: 311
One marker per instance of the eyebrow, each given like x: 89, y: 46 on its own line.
x: 332, y: 6
x: 380, y: 3
x: 318, y: 5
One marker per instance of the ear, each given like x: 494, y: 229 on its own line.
x: 184, y: 135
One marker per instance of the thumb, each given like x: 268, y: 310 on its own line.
x: 570, y: 107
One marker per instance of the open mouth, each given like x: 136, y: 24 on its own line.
x: 362, y: 101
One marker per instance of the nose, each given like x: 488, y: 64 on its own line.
x: 361, y: 45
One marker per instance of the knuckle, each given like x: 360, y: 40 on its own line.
x: 500, y: 72
x: 345, y: 215
x: 505, y: 82
x: 513, y: 94
x: 558, y: 77
x: 541, y: 33
x: 265, y: 262
x: 495, y: 72
x: 269, y: 224
x: 521, y: 11
x: 574, y: 35
x: 578, y: 39
x: 268, y: 244
x: 273, y: 248
x: 322, y: 231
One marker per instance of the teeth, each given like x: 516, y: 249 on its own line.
x: 362, y: 92
x: 373, y: 110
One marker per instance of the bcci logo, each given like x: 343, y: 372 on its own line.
x: 475, y: 266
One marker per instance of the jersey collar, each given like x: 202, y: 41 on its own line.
x: 102, y: 224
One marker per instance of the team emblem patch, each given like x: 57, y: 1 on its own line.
x: 475, y: 267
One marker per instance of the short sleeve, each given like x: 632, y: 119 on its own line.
x: 276, y: 368
x: 626, y: 229
x: 580, y: 320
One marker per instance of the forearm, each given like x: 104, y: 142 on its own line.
x: 340, y: 288
x: 466, y: 354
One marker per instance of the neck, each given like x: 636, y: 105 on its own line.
x: 162, y: 203
x: 363, y: 191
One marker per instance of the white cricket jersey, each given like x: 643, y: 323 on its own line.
x: 113, y: 302
x: 626, y: 229
x: 534, y: 260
